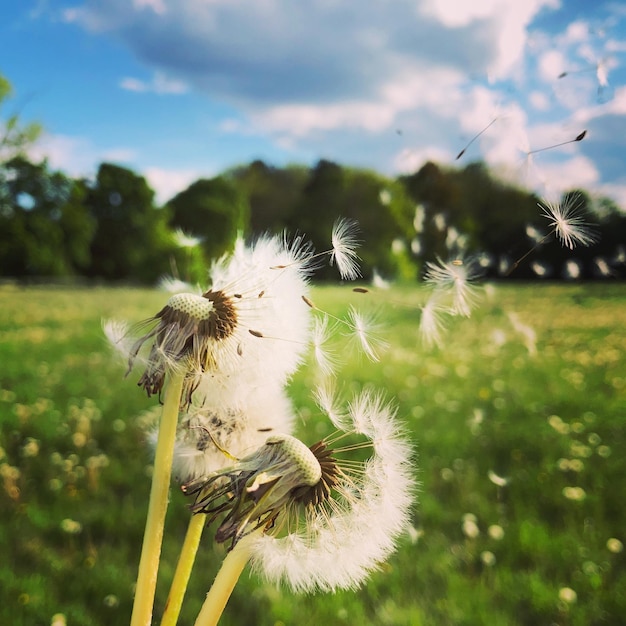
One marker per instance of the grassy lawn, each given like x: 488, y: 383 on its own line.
x: 518, y: 422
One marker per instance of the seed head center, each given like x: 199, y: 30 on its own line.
x: 194, y: 306
x: 294, y: 450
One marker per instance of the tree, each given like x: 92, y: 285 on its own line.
x: 213, y: 210
x: 45, y: 230
x: 131, y: 240
x: 272, y: 193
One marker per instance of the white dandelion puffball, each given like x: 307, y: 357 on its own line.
x: 336, y: 544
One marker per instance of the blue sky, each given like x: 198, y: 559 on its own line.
x: 178, y: 89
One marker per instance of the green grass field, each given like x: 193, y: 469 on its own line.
x: 520, y: 440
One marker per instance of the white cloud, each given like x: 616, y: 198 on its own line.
x: 168, y: 182
x: 410, y: 160
x: 159, y: 84
x: 74, y: 155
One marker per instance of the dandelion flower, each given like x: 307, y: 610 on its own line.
x: 326, y: 521
x: 568, y: 222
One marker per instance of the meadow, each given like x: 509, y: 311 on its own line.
x: 517, y: 421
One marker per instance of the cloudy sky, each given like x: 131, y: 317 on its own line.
x: 178, y: 89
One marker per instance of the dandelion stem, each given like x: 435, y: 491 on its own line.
x: 157, y: 508
x: 183, y: 570
x: 225, y: 582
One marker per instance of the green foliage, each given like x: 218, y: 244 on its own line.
x: 15, y: 137
x: 132, y: 240
x: 44, y: 228
x: 74, y: 465
x: 213, y: 210
x: 272, y: 194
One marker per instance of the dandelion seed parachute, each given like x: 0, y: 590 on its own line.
x: 568, y: 222
x: 454, y: 279
x: 344, y: 241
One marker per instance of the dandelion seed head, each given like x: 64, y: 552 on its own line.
x: 329, y: 535
x: 251, y: 316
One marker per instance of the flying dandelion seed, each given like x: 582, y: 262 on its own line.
x: 578, y: 137
x: 568, y: 222
x: 315, y: 507
x: 344, y: 241
x: 454, y: 278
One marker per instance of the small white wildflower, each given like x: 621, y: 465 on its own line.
x: 496, y: 532
x: 574, y: 493
x: 344, y: 241
x: 500, y: 481
x: 614, y: 545
x: 567, y: 595
x: 568, y: 223
x: 488, y: 558
x: 470, y: 528
x: 602, y: 268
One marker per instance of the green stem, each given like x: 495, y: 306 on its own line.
x: 183, y: 570
x: 157, y: 508
x: 225, y: 582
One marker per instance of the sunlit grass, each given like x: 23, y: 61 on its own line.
x: 519, y: 429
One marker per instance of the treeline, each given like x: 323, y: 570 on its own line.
x: 111, y: 229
